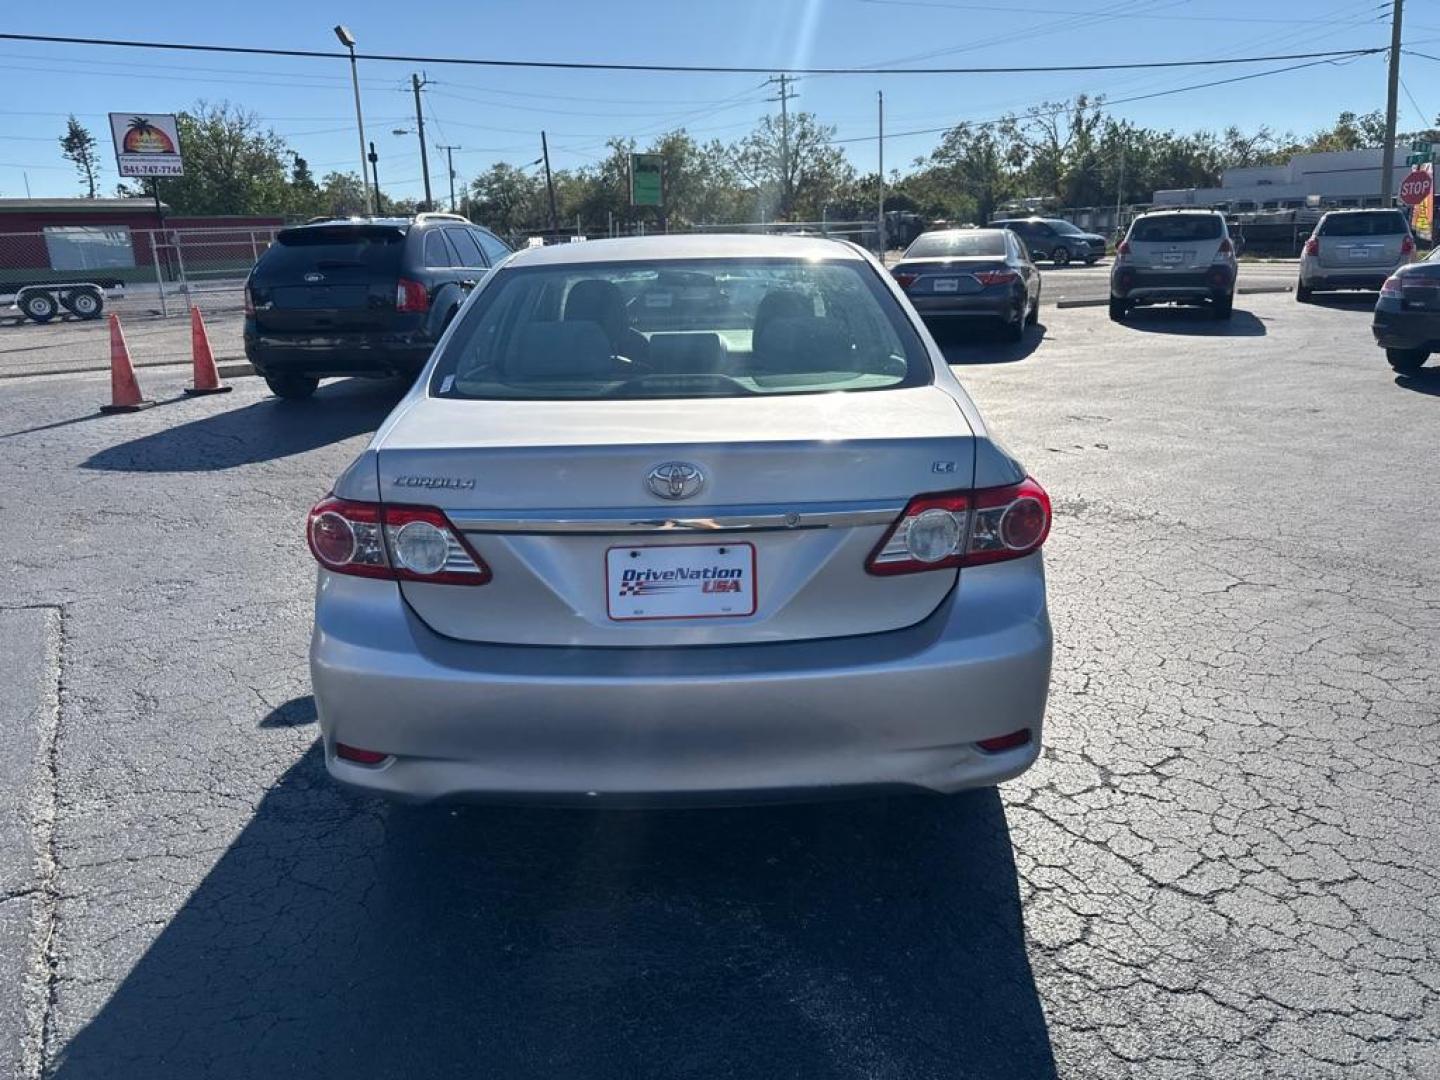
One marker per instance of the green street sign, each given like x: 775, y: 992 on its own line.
x: 647, y: 180
x: 1416, y: 159
x: 1420, y: 147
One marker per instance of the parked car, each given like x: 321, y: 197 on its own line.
x: 681, y: 516
x: 360, y: 296
x: 1054, y: 239
x: 961, y: 275
x: 1353, y: 249
x: 1407, y: 315
x: 1174, y: 256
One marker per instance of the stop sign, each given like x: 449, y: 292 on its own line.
x: 1415, y: 188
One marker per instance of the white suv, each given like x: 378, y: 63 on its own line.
x: 1174, y: 256
x: 1354, y: 249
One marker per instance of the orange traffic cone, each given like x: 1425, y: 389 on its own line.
x: 124, y: 389
x: 207, y: 378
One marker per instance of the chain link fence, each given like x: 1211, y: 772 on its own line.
x: 158, y: 271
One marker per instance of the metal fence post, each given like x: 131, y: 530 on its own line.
x: 180, y: 267
x: 159, y: 276
x: 254, y: 247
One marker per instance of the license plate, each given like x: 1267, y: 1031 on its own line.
x: 1172, y: 258
x: 1359, y: 253
x: 946, y: 284
x: 680, y: 581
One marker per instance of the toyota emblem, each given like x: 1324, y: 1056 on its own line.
x: 675, y: 480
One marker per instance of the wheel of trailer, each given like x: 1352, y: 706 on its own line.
x: 84, y: 303
x: 39, y: 306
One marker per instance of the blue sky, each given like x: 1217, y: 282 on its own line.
x: 497, y: 114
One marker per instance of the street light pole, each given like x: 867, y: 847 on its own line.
x: 348, y: 40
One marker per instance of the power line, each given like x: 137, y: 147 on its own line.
x: 1099, y: 102
x: 1091, y: 14
x: 717, y: 69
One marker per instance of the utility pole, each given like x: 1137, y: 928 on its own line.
x: 880, y: 234
x: 450, y: 164
x: 416, y: 82
x: 1119, y: 190
x: 375, y: 180
x: 549, y: 181
x: 784, y: 98
x: 1387, y: 161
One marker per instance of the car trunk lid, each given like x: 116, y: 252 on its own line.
x: 1363, y: 241
x: 945, y: 276
x: 795, y: 491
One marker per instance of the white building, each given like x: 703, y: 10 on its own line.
x: 1332, y: 178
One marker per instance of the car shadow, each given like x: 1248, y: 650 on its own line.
x: 980, y: 344
x: 1193, y: 321
x: 1424, y: 381
x: 267, y: 429
x: 340, y: 937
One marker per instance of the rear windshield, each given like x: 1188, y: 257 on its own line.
x: 681, y: 329
x: 1176, y: 228
x: 1365, y: 223
x: 372, y: 249
x: 978, y: 242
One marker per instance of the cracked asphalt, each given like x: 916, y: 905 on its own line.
x: 1226, y: 865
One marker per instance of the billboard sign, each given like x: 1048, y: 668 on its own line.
x: 146, y: 144
x: 647, y: 180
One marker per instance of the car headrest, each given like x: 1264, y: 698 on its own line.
x: 800, y: 344
x: 782, y: 304
x: 560, y: 350
x: 686, y: 354
x: 599, y: 301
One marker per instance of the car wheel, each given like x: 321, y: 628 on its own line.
x: 84, y: 303
x: 1118, y: 309
x: 1407, y: 361
x: 1222, y: 309
x: 291, y: 387
x: 1014, y: 329
x: 1060, y: 256
x: 1034, y: 316
x: 1302, y: 293
x: 39, y: 307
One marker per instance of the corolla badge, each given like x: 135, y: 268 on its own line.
x: 675, y: 480
x: 314, y: 276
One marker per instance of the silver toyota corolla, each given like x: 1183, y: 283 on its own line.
x: 704, y: 518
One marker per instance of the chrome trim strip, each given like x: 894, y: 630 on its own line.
x: 735, y: 519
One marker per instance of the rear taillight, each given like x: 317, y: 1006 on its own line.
x: 1392, y: 286
x: 249, y: 300
x: 396, y: 543
x: 411, y: 296
x: 1312, y: 246
x: 964, y: 528
x: 1407, y: 246
x: 1226, y: 248
x: 1122, y: 248
x: 904, y: 279
x: 996, y: 277
x: 366, y: 757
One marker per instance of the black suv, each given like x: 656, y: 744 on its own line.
x: 1054, y: 239
x: 360, y: 296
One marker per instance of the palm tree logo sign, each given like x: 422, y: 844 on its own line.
x: 143, y: 137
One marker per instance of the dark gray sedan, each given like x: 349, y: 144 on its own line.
x: 958, y: 275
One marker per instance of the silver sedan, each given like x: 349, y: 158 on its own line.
x: 693, y: 518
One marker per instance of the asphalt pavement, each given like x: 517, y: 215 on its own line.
x: 1226, y: 864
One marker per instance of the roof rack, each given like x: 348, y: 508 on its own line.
x: 440, y: 216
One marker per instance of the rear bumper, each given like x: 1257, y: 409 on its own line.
x: 339, y: 354
x: 1320, y: 280
x: 1406, y: 329
x: 1128, y: 283
x: 698, y: 725
x: 1004, y: 306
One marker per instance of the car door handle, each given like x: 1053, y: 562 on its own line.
x: 468, y: 283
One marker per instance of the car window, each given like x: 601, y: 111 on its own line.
x: 436, y: 251
x: 1371, y: 223
x: 368, y: 249
x: 970, y: 242
x: 682, y: 329
x: 465, y: 245
x: 1065, y: 228
x: 494, y: 248
x: 1175, y: 228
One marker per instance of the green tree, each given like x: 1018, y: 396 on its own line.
x: 795, y: 177
x: 974, y: 169
x: 232, y: 164
x: 507, y: 199
x: 78, y: 147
